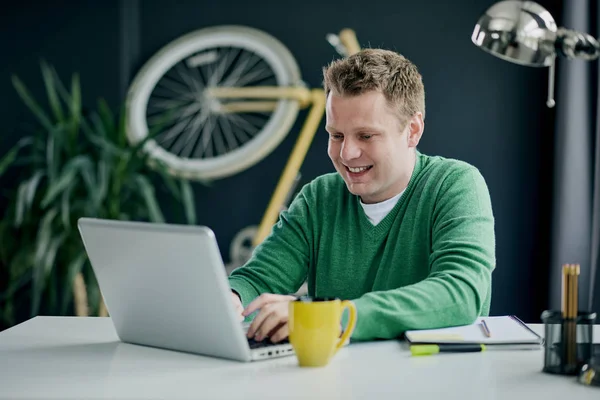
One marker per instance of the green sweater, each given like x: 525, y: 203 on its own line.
x: 427, y: 264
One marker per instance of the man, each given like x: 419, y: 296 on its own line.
x: 407, y: 237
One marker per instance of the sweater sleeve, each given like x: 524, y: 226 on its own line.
x: 280, y: 263
x: 461, y: 262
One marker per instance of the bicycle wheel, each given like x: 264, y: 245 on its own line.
x: 190, y: 132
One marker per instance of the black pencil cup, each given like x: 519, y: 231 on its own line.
x: 568, y: 341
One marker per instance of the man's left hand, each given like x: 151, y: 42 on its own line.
x: 272, y: 319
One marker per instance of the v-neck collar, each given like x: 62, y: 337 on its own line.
x: 386, y: 222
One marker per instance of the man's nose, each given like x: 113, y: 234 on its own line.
x: 350, y: 150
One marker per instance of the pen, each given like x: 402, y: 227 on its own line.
x: 430, y: 349
x: 486, y: 330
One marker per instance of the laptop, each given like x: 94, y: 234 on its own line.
x: 165, y: 286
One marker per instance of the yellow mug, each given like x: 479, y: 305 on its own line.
x: 314, y: 328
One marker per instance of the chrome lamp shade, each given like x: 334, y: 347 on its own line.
x: 521, y: 32
x: 524, y: 32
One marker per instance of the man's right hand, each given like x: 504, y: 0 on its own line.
x: 239, y: 308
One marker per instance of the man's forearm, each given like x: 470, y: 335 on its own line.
x: 438, y: 301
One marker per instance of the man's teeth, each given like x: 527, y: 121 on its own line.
x: 359, y: 169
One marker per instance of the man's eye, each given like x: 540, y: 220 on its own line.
x: 366, y: 137
x: 336, y: 136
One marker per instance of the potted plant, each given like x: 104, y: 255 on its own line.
x: 76, y: 164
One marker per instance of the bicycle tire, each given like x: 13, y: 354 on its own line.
x: 202, y: 45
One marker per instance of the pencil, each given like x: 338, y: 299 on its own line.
x: 486, y: 330
x: 570, y: 310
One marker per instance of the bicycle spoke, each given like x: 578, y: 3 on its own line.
x: 174, y: 86
x: 191, y: 109
x: 237, y: 132
x: 232, y: 79
x: 193, y: 84
x: 225, y: 65
x: 183, y: 139
x: 244, y: 125
x: 201, y: 82
x: 172, y: 134
x: 163, y: 104
x: 205, y: 139
x: 226, y: 128
x: 218, y: 140
x: 256, y: 119
x: 194, y: 133
x: 184, y: 116
x: 255, y: 76
x: 215, y: 76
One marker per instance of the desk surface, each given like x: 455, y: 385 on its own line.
x: 78, y: 358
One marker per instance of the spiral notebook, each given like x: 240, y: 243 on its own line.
x: 505, y: 332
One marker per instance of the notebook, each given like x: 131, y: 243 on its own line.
x: 506, y: 332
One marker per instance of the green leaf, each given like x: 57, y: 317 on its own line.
x: 21, y: 201
x: 48, y: 264
x: 22, y: 261
x: 147, y: 192
x: 75, y: 105
x: 51, y: 161
x: 168, y: 179
x: 87, y: 173
x: 9, y: 158
x: 93, y: 291
x: 44, y: 241
x: 16, y: 284
x: 65, y: 207
x: 99, y: 137
x: 31, y: 103
x: 121, y: 131
x: 66, y: 178
x: 31, y: 188
x: 73, y: 268
x: 52, y: 94
x: 188, y: 202
x: 7, y: 240
x: 62, y: 91
x: 107, y: 118
x: 103, y: 178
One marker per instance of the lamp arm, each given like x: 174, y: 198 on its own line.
x: 573, y: 44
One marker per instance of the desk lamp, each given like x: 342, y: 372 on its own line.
x: 524, y: 32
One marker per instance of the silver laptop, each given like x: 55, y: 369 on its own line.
x: 165, y: 286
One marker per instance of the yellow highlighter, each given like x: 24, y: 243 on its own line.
x: 430, y: 349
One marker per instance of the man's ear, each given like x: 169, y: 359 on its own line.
x: 416, y: 125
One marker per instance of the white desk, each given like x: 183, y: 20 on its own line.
x: 81, y: 358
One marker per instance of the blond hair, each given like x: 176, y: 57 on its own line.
x: 379, y: 70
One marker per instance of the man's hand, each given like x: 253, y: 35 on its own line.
x: 239, y: 308
x: 272, y: 319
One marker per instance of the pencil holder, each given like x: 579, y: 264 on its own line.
x: 568, y: 341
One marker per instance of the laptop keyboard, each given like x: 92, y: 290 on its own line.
x: 265, y: 343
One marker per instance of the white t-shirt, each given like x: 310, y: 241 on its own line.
x: 377, y: 211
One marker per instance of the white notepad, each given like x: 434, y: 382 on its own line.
x: 505, y: 330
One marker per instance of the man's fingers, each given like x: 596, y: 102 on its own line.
x: 259, y: 303
x: 269, y: 324
x: 280, y: 333
x: 258, y: 321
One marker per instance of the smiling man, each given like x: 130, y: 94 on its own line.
x: 408, y: 237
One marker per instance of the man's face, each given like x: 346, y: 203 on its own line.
x: 368, y: 145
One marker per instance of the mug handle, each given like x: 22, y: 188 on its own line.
x: 351, y: 323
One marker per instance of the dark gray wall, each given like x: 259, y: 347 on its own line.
x: 480, y: 109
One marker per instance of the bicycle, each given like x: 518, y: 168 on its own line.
x: 226, y: 97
